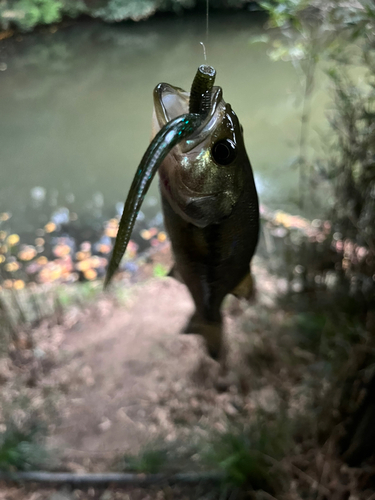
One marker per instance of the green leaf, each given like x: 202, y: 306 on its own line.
x: 160, y: 271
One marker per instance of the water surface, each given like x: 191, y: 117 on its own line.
x: 76, y: 107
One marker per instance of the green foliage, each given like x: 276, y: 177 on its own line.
x: 26, y: 14
x: 300, y: 38
x: 21, y: 449
x: 251, y: 457
x: 284, y: 11
x: 351, y: 168
x: 160, y: 271
x: 149, y: 461
x: 29, y: 13
x: 305, y: 34
x: 330, y: 336
x: 118, y: 10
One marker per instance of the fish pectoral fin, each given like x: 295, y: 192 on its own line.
x: 246, y: 288
x: 212, y: 332
x: 173, y: 273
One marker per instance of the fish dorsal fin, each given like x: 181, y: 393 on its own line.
x: 246, y: 288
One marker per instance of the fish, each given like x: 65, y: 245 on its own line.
x: 209, y: 200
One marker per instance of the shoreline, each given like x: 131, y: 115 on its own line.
x: 11, y: 20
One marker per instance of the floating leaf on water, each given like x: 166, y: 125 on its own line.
x: 162, y: 236
x: 95, y: 262
x: 61, y: 250
x: 3, y: 248
x: 50, y: 273
x: 3, y: 235
x: 2, y: 259
x: 111, y: 232
x: 28, y: 252
x: 103, y: 248
x: 50, y: 227
x: 82, y: 255
x: 5, y: 216
x: 12, y: 267
x: 13, y: 239
x: 145, y: 234
x: 19, y: 285
x: 111, y: 228
x: 83, y: 265
x: 90, y: 274
x: 85, y: 246
x: 42, y: 261
x: 39, y: 242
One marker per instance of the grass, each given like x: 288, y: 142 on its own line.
x: 251, y: 458
x: 160, y: 456
x: 248, y: 458
x: 159, y: 271
x: 149, y: 461
x: 22, y: 449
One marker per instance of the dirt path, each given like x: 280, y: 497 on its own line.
x: 123, y: 362
x: 133, y: 377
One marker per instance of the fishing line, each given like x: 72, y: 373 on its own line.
x: 204, y: 51
x: 207, y: 29
x: 207, y: 17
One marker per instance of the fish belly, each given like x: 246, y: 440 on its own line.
x: 212, y: 262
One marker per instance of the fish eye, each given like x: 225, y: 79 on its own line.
x: 224, y: 152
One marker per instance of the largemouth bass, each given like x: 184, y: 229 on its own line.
x: 209, y: 199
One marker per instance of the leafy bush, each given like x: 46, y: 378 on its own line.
x: 149, y: 461
x: 351, y: 168
x: 250, y: 458
x: 305, y: 33
x: 26, y: 14
x: 21, y: 449
x: 117, y: 10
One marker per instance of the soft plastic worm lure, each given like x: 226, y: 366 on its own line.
x: 171, y: 134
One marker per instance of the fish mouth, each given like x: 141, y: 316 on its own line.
x: 170, y: 102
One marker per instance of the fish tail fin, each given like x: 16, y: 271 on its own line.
x: 211, y: 331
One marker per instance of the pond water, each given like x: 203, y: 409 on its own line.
x: 76, y: 105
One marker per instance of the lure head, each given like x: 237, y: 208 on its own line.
x: 203, y: 176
